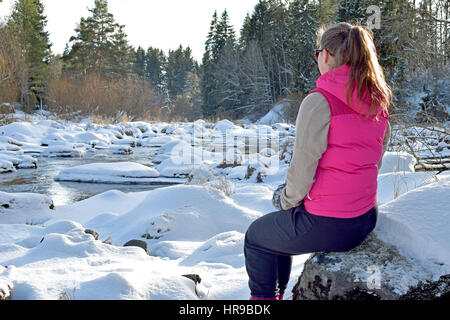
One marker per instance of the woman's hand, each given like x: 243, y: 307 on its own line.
x: 276, y: 198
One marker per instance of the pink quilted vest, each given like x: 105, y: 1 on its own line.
x: 345, y: 183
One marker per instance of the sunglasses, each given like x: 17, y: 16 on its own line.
x: 318, y: 51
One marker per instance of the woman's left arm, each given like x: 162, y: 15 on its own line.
x: 311, y: 141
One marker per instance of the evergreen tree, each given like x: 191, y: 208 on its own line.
x: 352, y: 11
x: 179, y: 64
x: 302, y: 25
x: 155, y: 64
x: 267, y: 26
x: 100, y: 45
x: 28, y: 22
x: 220, y: 33
x: 123, y: 54
x: 140, y: 62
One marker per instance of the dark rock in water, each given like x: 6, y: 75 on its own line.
x: 137, y: 243
x: 92, y: 232
x: 194, y: 277
x: 373, y: 270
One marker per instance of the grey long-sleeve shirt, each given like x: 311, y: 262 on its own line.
x: 311, y: 141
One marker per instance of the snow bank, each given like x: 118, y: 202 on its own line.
x: 70, y: 264
x: 182, y: 213
x: 393, y: 184
x: 418, y: 223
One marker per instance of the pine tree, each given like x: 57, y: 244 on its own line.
x: 28, y: 22
x: 100, y: 46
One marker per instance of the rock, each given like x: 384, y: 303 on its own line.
x: 200, y: 290
x: 108, y: 241
x: 194, y: 277
x: 138, y: 243
x: 372, y: 270
x: 5, y: 290
x: 92, y: 232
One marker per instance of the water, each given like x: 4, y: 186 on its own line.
x: 41, y: 180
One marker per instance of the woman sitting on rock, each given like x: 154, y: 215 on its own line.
x: 328, y: 202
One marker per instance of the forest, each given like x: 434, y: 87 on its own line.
x: 242, y: 74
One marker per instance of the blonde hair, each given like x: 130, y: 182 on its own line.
x: 353, y: 45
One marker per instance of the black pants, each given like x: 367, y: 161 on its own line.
x: 272, y: 240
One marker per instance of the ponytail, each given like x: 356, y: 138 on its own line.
x: 353, y: 45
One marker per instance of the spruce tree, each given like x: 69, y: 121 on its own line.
x: 352, y: 11
x: 220, y: 32
x: 179, y: 64
x: 28, y: 22
x: 155, y: 64
x: 123, y: 54
x: 139, y: 62
x: 302, y: 25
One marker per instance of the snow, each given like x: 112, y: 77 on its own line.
x: 193, y: 228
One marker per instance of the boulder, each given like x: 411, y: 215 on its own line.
x: 194, y: 277
x: 373, y: 270
x: 5, y: 289
x: 92, y: 232
x: 138, y: 243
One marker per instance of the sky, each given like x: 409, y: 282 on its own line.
x: 163, y: 24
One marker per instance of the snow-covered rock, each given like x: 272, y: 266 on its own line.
x: 396, y: 162
x: 112, y: 172
x: 273, y: 116
x: 63, y: 150
x: 6, y: 166
x: 25, y: 208
x: 5, y: 289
